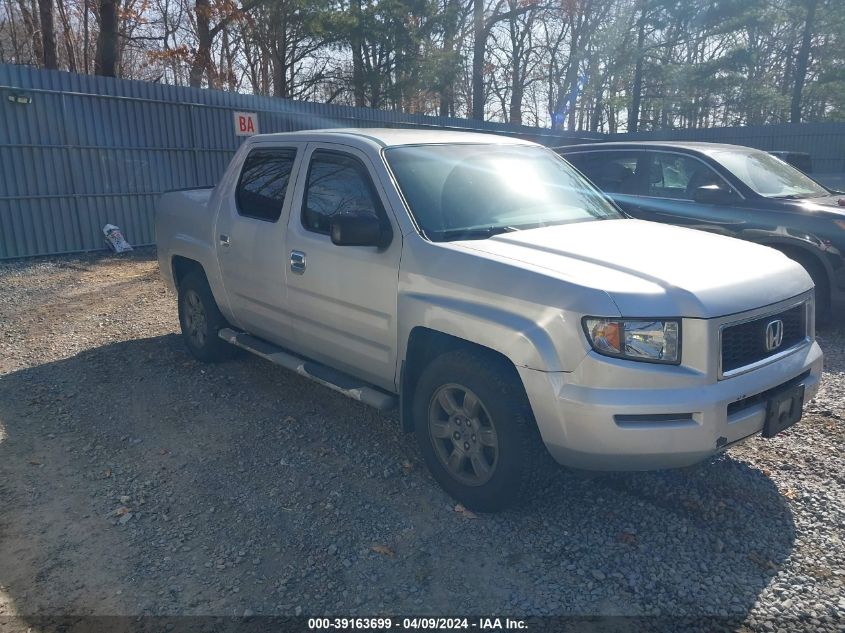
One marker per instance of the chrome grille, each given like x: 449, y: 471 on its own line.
x: 745, y: 343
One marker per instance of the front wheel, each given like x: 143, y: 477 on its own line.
x: 476, y: 431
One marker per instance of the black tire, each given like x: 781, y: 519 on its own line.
x: 521, y: 463
x: 200, y: 320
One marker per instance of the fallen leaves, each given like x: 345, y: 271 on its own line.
x: 123, y: 515
x: 464, y: 512
x: 790, y: 494
x: 386, y: 550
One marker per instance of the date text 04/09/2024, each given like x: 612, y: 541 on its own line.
x: 422, y: 623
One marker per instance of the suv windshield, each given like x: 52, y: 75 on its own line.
x: 477, y: 191
x: 769, y: 176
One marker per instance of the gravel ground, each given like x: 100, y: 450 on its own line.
x: 134, y: 480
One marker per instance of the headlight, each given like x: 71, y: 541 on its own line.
x: 635, y: 339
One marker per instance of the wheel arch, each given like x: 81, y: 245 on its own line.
x: 424, y: 345
x: 181, y: 266
x: 812, y: 261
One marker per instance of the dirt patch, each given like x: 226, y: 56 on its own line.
x: 134, y: 480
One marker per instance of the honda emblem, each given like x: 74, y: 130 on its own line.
x: 774, y: 335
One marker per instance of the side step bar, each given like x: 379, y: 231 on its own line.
x: 331, y: 378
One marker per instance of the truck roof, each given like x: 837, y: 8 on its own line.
x: 389, y: 137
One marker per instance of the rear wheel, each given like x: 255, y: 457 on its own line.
x: 476, y: 431
x: 201, y: 320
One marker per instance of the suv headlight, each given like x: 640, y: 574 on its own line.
x: 636, y: 339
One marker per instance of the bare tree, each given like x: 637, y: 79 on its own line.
x: 802, y: 61
x: 107, y: 45
x: 48, y: 34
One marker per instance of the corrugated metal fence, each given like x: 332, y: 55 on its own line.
x: 78, y: 151
x: 86, y: 151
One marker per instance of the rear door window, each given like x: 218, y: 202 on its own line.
x: 611, y: 171
x: 678, y: 176
x: 261, y: 189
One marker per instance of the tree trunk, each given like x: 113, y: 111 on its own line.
x: 15, y: 55
x: 202, y: 58
x: 106, y: 61
x: 33, y: 31
x: 280, y: 88
x: 357, y: 54
x: 637, y: 87
x: 479, y: 48
x: 67, y: 37
x: 802, y: 62
x: 598, y: 106
x: 229, y: 56
x: 515, y: 109
x: 447, y: 86
x: 265, y: 70
x: 281, y: 54
x: 86, y: 36
x: 48, y: 34
x: 570, y: 95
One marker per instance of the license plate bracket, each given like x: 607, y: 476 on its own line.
x: 783, y: 410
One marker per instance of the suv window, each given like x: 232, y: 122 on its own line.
x: 678, y: 176
x: 264, y: 179
x: 612, y: 172
x: 338, y: 184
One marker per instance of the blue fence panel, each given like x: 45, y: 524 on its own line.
x: 86, y: 151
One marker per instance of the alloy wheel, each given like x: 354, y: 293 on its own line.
x: 463, y: 434
x: 196, y: 323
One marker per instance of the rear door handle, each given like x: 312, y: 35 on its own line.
x: 297, y: 262
x: 224, y: 240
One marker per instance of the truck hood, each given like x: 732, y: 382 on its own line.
x: 655, y: 270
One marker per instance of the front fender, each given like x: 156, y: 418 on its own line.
x: 526, y: 342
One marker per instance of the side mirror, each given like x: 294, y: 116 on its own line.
x: 360, y: 230
x: 713, y: 194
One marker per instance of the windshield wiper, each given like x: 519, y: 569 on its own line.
x: 472, y: 233
x: 794, y: 196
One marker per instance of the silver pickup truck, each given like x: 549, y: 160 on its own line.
x: 481, y: 285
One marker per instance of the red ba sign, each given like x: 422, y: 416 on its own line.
x: 246, y: 123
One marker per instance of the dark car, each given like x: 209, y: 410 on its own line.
x: 732, y: 190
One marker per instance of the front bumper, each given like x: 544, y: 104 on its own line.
x: 650, y: 426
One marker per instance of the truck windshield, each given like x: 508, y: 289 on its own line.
x: 465, y: 191
x: 769, y: 176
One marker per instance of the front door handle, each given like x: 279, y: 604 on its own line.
x: 224, y: 240
x: 297, y: 262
